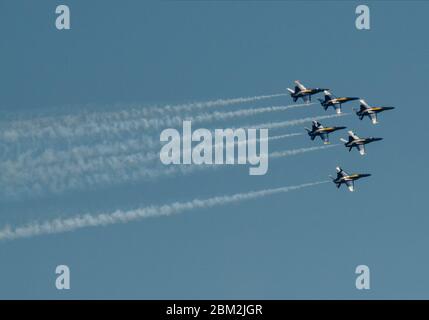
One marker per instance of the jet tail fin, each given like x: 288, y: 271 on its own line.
x: 328, y: 95
x: 363, y: 104
x: 359, y: 113
x: 338, y: 185
x: 352, y: 136
x: 290, y: 90
x: 312, y: 136
x: 343, y: 140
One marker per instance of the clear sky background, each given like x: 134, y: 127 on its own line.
x: 302, y: 244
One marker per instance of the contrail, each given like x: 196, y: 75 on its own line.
x: 29, y: 169
x: 216, y: 115
x: 287, y: 135
x: 105, y: 172
x: 134, y: 144
x: 286, y: 153
x: 32, y: 157
x: 87, y: 128
x: 137, y: 111
x: 217, y: 103
x: 61, y: 225
x: 80, y: 153
x: 295, y: 122
x: 48, y: 160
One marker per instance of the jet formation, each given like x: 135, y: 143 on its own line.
x: 353, y: 141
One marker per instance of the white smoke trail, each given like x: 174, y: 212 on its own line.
x: 82, y: 153
x: 134, y: 111
x: 217, y: 103
x: 31, y: 158
x: 295, y: 122
x: 286, y: 153
x: 133, y: 124
x: 287, y: 135
x: 83, y: 165
x: 104, y: 173
x: 61, y: 225
x: 39, y: 168
x: 216, y: 115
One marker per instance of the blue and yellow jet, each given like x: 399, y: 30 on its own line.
x: 371, y: 112
x: 323, y: 132
x: 347, y: 179
x: 332, y: 101
x: 358, y: 143
x: 302, y: 92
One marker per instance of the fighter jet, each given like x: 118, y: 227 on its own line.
x: 358, y: 143
x: 366, y: 110
x: 348, y: 179
x: 331, y: 100
x: 318, y: 130
x: 302, y: 92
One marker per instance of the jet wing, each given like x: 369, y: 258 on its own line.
x: 317, y: 125
x: 350, y: 185
x: 299, y: 85
x: 325, y: 137
x: 341, y: 173
x: 329, y: 94
x: 344, y: 174
x: 351, y: 134
x: 363, y: 102
x: 337, y: 108
x: 361, y: 148
x: 373, y: 117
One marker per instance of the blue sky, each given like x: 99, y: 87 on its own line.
x: 302, y: 244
